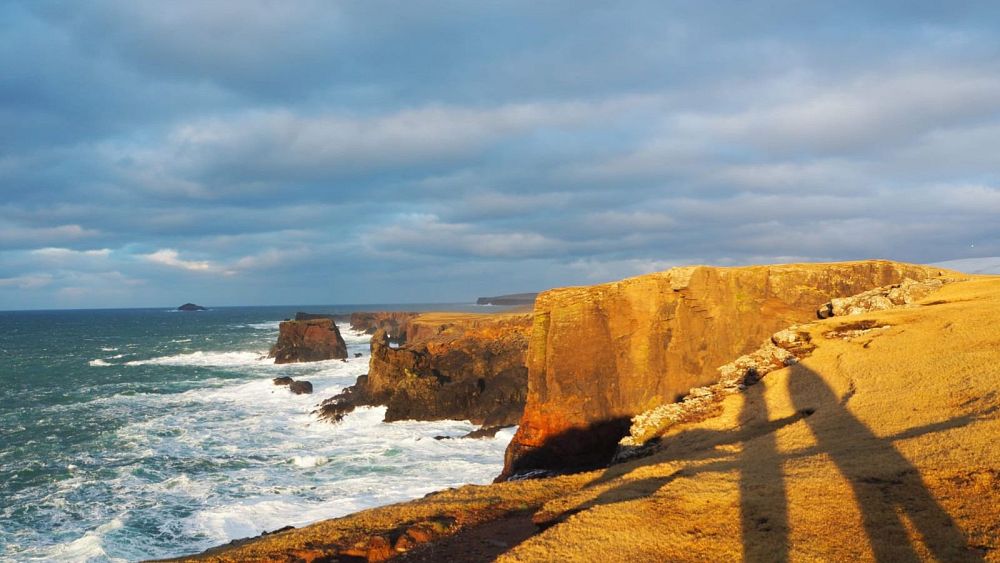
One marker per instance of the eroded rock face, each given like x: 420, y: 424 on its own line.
x: 473, y: 370
x: 600, y: 355
x: 308, y: 341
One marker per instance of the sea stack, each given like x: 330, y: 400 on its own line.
x: 308, y: 341
x: 191, y: 307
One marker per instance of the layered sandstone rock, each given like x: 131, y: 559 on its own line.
x: 600, y: 355
x: 308, y: 341
x: 469, y: 367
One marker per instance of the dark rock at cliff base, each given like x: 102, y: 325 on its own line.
x: 285, y: 380
x: 486, y: 432
x: 300, y: 387
x: 191, y: 307
x: 357, y: 354
x: 308, y: 341
x: 512, y: 299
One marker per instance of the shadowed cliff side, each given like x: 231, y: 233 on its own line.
x: 601, y: 354
x: 453, y: 366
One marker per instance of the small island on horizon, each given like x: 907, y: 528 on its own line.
x: 191, y: 307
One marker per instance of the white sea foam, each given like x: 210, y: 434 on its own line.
x: 98, y: 363
x: 181, y: 340
x: 89, y: 547
x: 219, y: 359
x: 269, y: 325
x: 109, y: 349
x: 309, y: 460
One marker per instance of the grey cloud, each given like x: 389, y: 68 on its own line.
x: 472, y: 148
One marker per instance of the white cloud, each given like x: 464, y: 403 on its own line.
x: 57, y: 253
x: 171, y: 258
x: 427, y: 234
x: 29, y: 281
x: 13, y: 236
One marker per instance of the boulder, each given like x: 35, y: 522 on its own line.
x: 308, y: 341
x: 300, y: 387
x: 284, y: 380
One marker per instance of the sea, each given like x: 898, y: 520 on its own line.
x: 132, y: 434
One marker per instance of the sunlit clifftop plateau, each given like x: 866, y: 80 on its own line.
x: 871, y: 437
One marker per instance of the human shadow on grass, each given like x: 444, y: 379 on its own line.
x: 885, y: 484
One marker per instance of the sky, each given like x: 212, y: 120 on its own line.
x: 320, y: 152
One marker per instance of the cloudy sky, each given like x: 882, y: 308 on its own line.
x: 272, y: 152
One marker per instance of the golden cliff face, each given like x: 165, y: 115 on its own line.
x: 601, y: 354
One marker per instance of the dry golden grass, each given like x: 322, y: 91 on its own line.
x: 880, y: 446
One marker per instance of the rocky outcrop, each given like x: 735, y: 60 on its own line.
x: 394, y: 323
x: 905, y: 293
x: 191, y: 307
x: 600, y: 355
x: 300, y: 387
x: 283, y: 380
x: 308, y: 341
x: 466, y: 367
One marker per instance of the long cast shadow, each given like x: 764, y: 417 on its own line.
x: 763, y: 500
x: 884, y: 482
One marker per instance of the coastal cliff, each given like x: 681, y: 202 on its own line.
x: 600, y: 355
x: 876, y: 446
x: 453, y: 366
x: 310, y: 340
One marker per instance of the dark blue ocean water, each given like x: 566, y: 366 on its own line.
x: 138, y: 433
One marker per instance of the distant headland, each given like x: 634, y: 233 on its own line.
x: 512, y: 299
